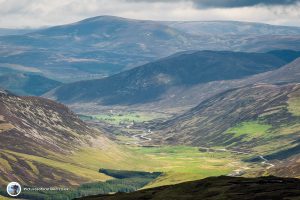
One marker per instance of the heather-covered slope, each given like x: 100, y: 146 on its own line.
x: 35, y: 132
x: 211, y: 122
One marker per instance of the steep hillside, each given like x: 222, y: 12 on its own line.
x: 149, y: 82
x: 211, y: 118
x: 27, y: 84
x: 38, y: 128
x: 105, y: 45
x: 260, y: 119
x: 215, y: 188
x: 44, y: 144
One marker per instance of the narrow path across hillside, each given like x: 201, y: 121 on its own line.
x: 266, y: 162
x: 142, y: 137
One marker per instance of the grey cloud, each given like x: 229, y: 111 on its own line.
x: 226, y: 3
x: 33, y: 13
x: 241, y: 3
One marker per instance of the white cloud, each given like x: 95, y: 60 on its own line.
x: 35, y: 13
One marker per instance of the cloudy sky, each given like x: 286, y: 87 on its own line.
x: 37, y: 13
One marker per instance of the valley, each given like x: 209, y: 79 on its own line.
x: 77, y: 160
x: 110, y: 105
x: 178, y: 163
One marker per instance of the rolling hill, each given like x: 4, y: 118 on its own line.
x: 105, y: 45
x: 150, y: 82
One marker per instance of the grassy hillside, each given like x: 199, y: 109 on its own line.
x: 250, y: 129
x: 260, y: 119
x: 251, y: 110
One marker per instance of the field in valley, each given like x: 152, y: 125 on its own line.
x: 124, y: 118
x: 183, y: 163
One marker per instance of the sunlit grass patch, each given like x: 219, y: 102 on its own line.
x: 122, y: 158
x: 251, y: 129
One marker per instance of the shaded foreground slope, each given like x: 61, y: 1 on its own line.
x: 217, y: 188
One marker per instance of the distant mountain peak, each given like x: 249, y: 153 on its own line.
x: 106, y: 18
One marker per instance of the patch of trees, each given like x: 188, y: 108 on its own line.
x: 124, y: 181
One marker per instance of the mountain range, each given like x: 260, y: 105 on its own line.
x: 105, y: 45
